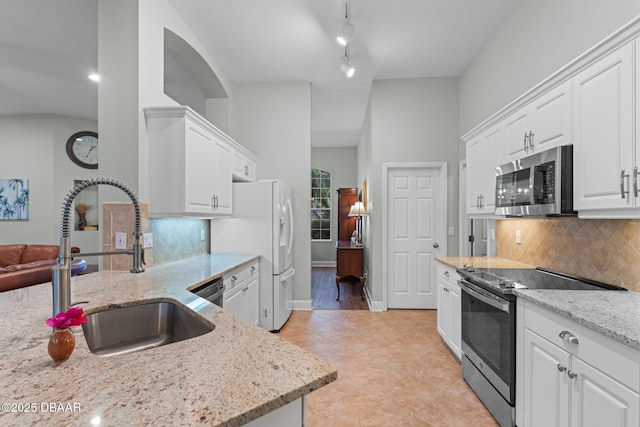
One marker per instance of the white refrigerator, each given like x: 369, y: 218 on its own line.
x: 262, y: 223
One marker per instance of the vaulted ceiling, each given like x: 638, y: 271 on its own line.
x: 49, y: 47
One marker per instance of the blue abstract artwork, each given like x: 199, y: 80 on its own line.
x: 14, y: 199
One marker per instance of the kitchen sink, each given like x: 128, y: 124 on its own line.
x: 139, y: 327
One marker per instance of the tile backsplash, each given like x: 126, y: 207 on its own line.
x: 603, y: 250
x: 173, y: 239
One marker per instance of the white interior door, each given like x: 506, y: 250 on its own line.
x: 416, y: 206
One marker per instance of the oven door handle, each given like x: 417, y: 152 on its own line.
x: 488, y: 299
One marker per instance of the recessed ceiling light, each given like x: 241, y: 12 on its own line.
x: 95, y: 77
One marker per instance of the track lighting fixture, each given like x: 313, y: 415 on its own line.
x: 347, y: 68
x: 347, y: 30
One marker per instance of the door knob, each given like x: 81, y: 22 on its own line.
x: 435, y: 245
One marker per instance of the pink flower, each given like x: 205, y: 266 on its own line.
x: 72, y: 317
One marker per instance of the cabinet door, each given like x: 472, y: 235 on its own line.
x: 454, y: 307
x: 442, y: 310
x: 550, y: 119
x: 251, y: 303
x: 603, y: 125
x: 494, y: 148
x: 234, y: 302
x: 484, y: 154
x: 199, y: 179
x: 223, y: 180
x: 476, y: 160
x: 598, y: 400
x: 516, y: 127
x: 546, y: 384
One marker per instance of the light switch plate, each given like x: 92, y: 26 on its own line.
x: 518, y: 237
x: 452, y: 231
x: 121, y: 240
x: 148, y: 240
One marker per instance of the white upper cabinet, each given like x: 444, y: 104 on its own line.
x: 604, y: 133
x: 543, y: 124
x: 190, y: 165
x: 484, y: 154
x: 244, y: 166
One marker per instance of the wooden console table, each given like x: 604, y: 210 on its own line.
x: 349, y: 263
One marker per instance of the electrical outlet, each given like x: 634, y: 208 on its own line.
x: 148, y: 240
x: 121, y: 240
x: 202, y: 234
x: 518, y: 237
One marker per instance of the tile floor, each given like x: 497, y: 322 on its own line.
x: 393, y: 370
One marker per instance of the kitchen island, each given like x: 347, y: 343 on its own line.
x: 229, y: 376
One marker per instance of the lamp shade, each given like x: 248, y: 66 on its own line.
x: 357, y: 209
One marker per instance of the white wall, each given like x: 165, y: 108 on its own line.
x: 274, y: 122
x: 410, y: 120
x: 342, y: 163
x: 33, y: 147
x: 539, y: 38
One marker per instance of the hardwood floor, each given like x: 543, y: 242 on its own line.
x: 393, y: 370
x: 324, y: 291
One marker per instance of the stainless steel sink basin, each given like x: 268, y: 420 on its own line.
x: 139, y: 327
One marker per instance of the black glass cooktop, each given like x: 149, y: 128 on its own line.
x: 506, y: 279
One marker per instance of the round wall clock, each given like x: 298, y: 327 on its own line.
x: 82, y: 149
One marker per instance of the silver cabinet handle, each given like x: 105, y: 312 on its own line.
x: 635, y: 181
x: 234, y: 278
x: 436, y: 245
x: 446, y: 273
x: 622, y: 176
x: 561, y: 368
x: 253, y: 269
x: 526, y: 146
x: 531, y: 140
x: 571, y: 374
x: 568, y: 336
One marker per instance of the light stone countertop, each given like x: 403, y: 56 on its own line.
x: 230, y: 376
x: 614, y: 314
x: 482, y: 262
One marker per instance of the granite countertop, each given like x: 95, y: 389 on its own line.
x: 482, y: 262
x: 614, y: 314
x: 230, y: 376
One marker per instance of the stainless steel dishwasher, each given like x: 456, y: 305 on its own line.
x: 212, y: 291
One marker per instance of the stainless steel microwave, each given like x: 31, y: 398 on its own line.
x: 537, y: 185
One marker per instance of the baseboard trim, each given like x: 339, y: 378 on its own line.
x: 302, y: 305
x: 323, y: 264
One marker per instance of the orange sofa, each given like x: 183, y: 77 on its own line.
x: 25, y: 265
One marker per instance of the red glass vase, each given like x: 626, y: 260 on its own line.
x: 61, y: 344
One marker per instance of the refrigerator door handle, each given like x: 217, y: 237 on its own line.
x: 288, y: 276
x: 290, y: 210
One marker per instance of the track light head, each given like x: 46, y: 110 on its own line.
x: 346, y: 34
x: 347, y: 69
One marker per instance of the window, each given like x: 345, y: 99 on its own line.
x: 320, y: 204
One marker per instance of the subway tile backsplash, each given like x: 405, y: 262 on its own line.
x: 603, y: 250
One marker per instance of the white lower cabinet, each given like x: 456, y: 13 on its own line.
x: 449, y: 308
x: 241, y: 295
x: 568, y: 375
x: 290, y: 415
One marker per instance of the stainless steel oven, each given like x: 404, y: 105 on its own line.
x: 488, y: 346
x: 489, y: 329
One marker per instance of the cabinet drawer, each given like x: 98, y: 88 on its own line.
x: 447, y: 273
x: 614, y: 359
x: 238, y: 276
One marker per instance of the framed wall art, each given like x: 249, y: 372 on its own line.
x: 14, y: 199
